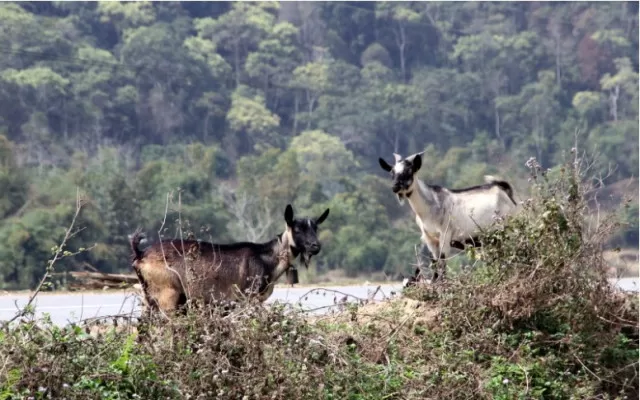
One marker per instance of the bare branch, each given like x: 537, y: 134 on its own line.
x: 59, y: 254
x: 251, y: 217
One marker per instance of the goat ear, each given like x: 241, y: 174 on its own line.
x: 322, y: 217
x: 384, y: 165
x: 288, y: 215
x: 417, y: 163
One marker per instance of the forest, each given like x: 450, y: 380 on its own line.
x: 208, y: 118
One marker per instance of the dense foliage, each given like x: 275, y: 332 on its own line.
x: 240, y: 108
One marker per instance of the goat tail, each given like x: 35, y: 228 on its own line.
x: 504, y: 185
x: 134, y: 241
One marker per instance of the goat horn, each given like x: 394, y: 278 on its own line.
x: 411, y: 157
x: 397, y: 156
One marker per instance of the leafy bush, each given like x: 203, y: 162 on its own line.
x: 254, y: 352
x: 46, y: 361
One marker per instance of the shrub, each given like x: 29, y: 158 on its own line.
x: 538, y: 317
x: 252, y: 353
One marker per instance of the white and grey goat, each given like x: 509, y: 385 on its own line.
x: 448, y: 218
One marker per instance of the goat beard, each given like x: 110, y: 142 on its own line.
x: 400, y: 199
x: 305, y: 258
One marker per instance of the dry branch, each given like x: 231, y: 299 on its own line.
x: 82, y: 280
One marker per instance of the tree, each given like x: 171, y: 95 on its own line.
x: 624, y: 84
x: 588, y: 104
x: 165, y: 78
x: 239, y: 30
x: 251, y: 122
x: 400, y: 17
x: 323, y: 159
x: 14, y: 184
x: 276, y: 57
x: 313, y: 79
x: 538, y: 105
x: 127, y: 16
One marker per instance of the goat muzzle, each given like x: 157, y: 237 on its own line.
x: 314, y: 249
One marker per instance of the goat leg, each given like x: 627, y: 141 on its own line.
x: 443, y: 266
x: 434, y: 269
x: 439, y: 268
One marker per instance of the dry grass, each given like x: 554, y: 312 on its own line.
x: 384, y: 314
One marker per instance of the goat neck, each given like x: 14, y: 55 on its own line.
x: 284, y: 254
x: 422, y: 201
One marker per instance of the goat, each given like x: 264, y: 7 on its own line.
x: 171, y: 271
x: 448, y: 218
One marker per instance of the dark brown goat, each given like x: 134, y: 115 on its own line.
x: 173, y: 271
